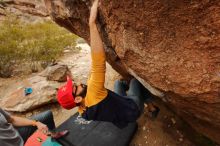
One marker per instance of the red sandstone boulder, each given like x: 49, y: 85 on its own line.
x: 172, y: 47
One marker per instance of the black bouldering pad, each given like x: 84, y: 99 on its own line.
x: 95, y: 133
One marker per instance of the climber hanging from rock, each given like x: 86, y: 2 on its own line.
x: 94, y: 101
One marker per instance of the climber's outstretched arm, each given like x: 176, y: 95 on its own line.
x: 96, y: 90
x: 96, y: 42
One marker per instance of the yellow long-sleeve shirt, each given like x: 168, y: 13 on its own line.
x: 96, y: 91
x: 101, y: 104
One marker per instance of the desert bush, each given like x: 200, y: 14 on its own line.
x: 40, y: 43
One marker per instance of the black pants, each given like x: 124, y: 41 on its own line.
x: 45, y: 117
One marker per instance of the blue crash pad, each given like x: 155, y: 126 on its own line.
x: 95, y: 133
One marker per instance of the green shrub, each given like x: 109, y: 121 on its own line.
x: 31, y: 43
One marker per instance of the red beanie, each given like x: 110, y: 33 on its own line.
x: 65, y: 95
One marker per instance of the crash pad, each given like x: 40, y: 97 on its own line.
x: 95, y: 133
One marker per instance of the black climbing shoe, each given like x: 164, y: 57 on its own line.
x: 154, y: 114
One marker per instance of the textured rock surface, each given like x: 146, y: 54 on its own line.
x: 173, y: 46
x: 31, y: 11
x: 44, y: 92
x: 56, y: 73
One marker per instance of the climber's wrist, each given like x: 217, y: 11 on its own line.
x: 34, y: 123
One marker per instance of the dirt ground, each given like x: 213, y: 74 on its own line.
x: 163, y: 131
